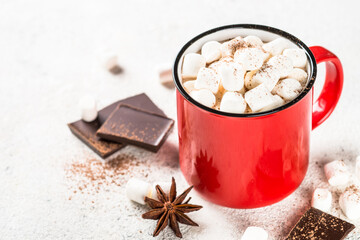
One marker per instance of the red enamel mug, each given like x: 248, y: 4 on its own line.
x: 252, y: 160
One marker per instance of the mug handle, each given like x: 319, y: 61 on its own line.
x: 330, y: 94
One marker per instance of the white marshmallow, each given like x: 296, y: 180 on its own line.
x: 211, y: 51
x: 277, y: 46
x: 322, y: 199
x: 288, y: 89
x: 165, y: 186
x: 297, y: 56
x: 250, y: 58
x: 267, y: 75
x: 298, y: 74
x: 232, y: 76
x: 337, y: 173
x: 349, y: 202
x: 136, y: 190
x: 248, y: 79
x: 228, y: 48
x: 253, y: 41
x: 277, y: 102
x: 281, y: 63
x: 192, y: 64
x: 189, y: 85
x: 255, y: 233
x: 357, y: 167
x: 204, y: 96
x: 233, y: 102
x: 258, y: 98
x: 208, y: 79
x: 88, y: 108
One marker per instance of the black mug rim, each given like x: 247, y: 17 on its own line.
x: 298, y: 42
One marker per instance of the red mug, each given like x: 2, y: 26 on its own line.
x: 252, y: 160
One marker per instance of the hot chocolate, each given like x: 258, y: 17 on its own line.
x: 244, y: 74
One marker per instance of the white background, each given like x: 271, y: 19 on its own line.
x: 53, y: 52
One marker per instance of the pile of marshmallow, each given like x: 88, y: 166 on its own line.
x: 339, y: 176
x: 245, y: 72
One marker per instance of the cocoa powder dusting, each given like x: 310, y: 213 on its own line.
x: 92, y: 175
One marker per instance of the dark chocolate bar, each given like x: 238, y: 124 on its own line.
x: 136, y: 126
x: 86, y: 132
x: 315, y: 224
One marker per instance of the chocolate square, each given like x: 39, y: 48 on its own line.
x: 315, y: 224
x: 136, y: 126
x: 86, y: 131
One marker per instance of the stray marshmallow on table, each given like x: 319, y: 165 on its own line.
x: 337, y: 173
x: 88, y: 108
x: 254, y: 233
x: 259, y: 98
x: 322, y: 199
x: 137, y: 190
x: 349, y: 202
x: 164, y: 73
x: 233, y: 102
x: 192, y: 64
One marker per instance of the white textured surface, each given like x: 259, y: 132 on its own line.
x: 51, y: 53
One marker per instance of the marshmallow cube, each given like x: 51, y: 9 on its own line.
x: 281, y: 63
x: 337, y: 173
x: 255, y: 233
x: 250, y: 58
x: 288, y: 89
x: 211, y: 51
x: 204, y: 96
x: 253, y: 41
x: 88, y: 109
x: 113, y: 65
x: 277, y: 46
x: 297, y: 56
x: 267, y: 75
x: 165, y: 76
x: 349, y: 202
x: 298, y: 74
x: 258, y: 98
x: 189, y: 85
x: 277, y: 102
x: 228, y: 48
x: 207, y: 79
x: 136, y: 190
x: 192, y: 64
x: 232, y: 76
x: 322, y: 199
x: 233, y: 102
x: 357, y: 167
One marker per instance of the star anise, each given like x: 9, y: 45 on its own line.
x: 170, y: 209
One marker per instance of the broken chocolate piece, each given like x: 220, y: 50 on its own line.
x: 315, y: 224
x: 135, y: 126
x: 86, y: 131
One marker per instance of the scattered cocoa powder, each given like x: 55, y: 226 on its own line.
x: 92, y: 175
